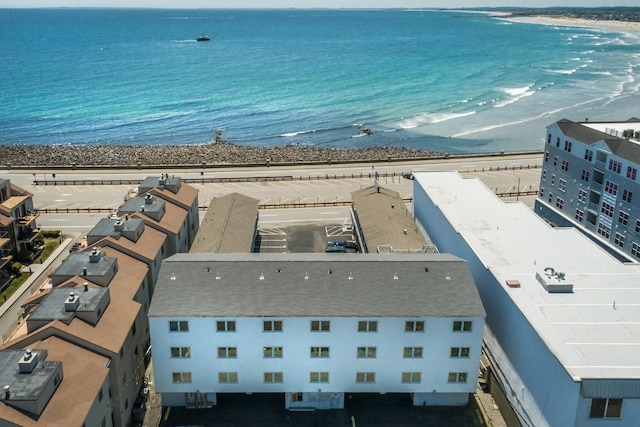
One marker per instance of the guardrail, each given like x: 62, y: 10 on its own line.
x: 316, y: 204
x: 218, y: 180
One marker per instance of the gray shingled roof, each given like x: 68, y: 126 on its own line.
x: 619, y: 146
x: 315, y: 285
x: 228, y: 225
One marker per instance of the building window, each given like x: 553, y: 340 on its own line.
x: 272, y: 326
x: 368, y: 326
x: 414, y: 326
x: 457, y: 377
x: 627, y: 195
x: 588, y: 155
x: 411, y: 377
x: 637, y: 225
x: 226, y: 325
x: 100, y: 396
x: 555, y: 160
x: 562, y: 184
x: 365, y: 377
x: 178, y: 326
x: 227, y: 377
x: 615, y: 166
x: 272, y: 352
x: 559, y: 203
x: 319, y: 377
x: 549, y: 139
x: 181, y: 377
x: 183, y: 352
x: 582, y: 196
x: 227, y: 352
x: 619, y: 240
x: 579, y: 215
x: 546, y: 156
x: 623, y: 218
x: 273, y: 377
x: 541, y: 192
x: 607, y: 209
x: 412, y: 352
x: 320, y: 325
x: 558, y: 142
x: 631, y: 173
x: 611, y: 188
x: 565, y: 166
x: 550, y: 197
x: 635, y: 250
x: 585, y: 175
x: 459, y: 351
x: 459, y: 325
x: 567, y: 146
x: 319, y: 351
x: 133, y: 329
x: 604, y: 230
x: 367, y: 352
x: 605, y: 408
x: 553, y: 180
x: 544, y: 174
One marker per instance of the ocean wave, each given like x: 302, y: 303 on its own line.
x: 431, y: 118
x: 516, y: 95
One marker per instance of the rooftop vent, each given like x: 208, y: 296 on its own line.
x: 86, y: 286
x: 7, y: 393
x: 554, y: 281
x: 148, y: 199
x: 72, y: 302
x: 95, y: 255
x: 28, y: 361
x: 119, y: 225
x: 162, y: 181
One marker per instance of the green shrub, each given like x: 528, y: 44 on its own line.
x: 16, y: 266
x: 24, y: 256
x: 52, y: 234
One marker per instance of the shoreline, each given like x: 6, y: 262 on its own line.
x: 565, y: 21
x: 206, y: 156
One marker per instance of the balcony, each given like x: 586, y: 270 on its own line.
x: 28, y: 218
x: 27, y: 235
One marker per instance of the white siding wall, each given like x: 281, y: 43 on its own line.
x: 296, y: 339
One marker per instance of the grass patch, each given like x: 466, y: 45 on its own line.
x: 50, y: 245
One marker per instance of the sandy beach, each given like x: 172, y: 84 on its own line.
x: 621, y: 26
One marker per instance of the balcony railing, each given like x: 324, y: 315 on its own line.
x: 28, y: 219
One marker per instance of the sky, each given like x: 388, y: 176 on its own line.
x: 181, y: 4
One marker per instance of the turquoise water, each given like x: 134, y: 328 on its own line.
x: 445, y: 81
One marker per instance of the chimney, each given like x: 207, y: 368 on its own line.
x: 95, y: 255
x: 148, y: 199
x: 119, y: 225
x: 71, y: 303
x: 28, y: 362
x: 7, y: 393
x: 126, y: 217
x: 84, y: 271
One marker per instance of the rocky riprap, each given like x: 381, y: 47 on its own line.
x: 218, y: 153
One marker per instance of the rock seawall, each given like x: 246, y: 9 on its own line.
x: 211, y: 154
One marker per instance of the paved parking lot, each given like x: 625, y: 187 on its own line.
x: 302, y: 238
x: 370, y: 410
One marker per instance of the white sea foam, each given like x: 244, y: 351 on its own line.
x: 431, y: 118
x: 516, y: 94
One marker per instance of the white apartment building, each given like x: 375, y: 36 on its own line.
x: 315, y: 327
x: 563, y: 325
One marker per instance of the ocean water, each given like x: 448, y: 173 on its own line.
x: 445, y: 81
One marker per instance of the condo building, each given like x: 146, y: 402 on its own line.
x: 563, y: 326
x: 590, y: 181
x: 315, y: 327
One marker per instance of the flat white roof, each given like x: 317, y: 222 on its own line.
x: 593, y: 331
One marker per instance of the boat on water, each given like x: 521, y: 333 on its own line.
x: 203, y: 38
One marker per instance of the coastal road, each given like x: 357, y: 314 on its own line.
x: 501, y: 174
